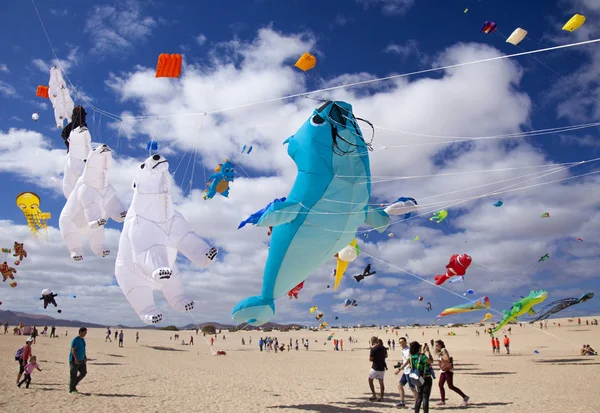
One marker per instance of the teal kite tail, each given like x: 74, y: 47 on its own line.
x: 255, y: 311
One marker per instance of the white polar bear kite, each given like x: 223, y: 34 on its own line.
x: 152, y: 235
x: 80, y: 143
x: 90, y: 205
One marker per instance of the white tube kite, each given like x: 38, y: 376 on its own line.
x: 88, y: 207
x: 80, y: 142
x: 152, y: 236
x: 60, y: 97
x: 517, y: 36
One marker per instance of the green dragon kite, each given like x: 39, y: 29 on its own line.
x: 521, y: 307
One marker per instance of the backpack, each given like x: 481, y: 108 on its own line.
x: 19, y: 354
x: 415, y: 376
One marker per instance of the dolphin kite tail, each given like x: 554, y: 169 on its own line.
x: 255, y: 310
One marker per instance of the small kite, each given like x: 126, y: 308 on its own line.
x: 391, y: 235
x: 366, y: 273
x: 344, y: 258
x: 544, y: 258
x: 249, y: 149
x: 580, y: 239
x: 416, y: 238
x: 574, y: 23
x: 35, y: 117
x: 521, y: 307
x: 482, y: 303
x: 42, y: 92
x: 294, y: 291
x: 306, y: 62
x: 319, y: 316
x: 439, y: 216
x: 313, y: 309
x: 349, y: 303
x: 469, y: 292
x: 457, y: 266
x: 152, y: 146
x: 13, y: 284
x: 498, y: 203
x: 428, y: 308
x: 322, y: 325
x: 402, y: 206
x: 168, y: 65
x: 219, y: 182
x: 7, y: 272
x: 19, y: 252
x: 29, y: 203
x: 420, y: 298
x: 545, y: 215
x: 517, y: 36
x: 486, y: 317
x: 488, y: 27
x: 48, y: 296
x: 560, y: 305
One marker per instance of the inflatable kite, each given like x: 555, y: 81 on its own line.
x: 486, y: 317
x: 544, y: 258
x: 219, y: 182
x: 89, y: 206
x: 306, y: 62
x: 254, y: 218
x: 42, y: 92
x: 488, y: 27
x: 349, y: 303
x: 498, y: 203
x: 347, y: 255
x: 428, y: 308
x: 482, y: 303
x: 79, y: 145
x: 153, y: 234
x: 545, y: 215
x: 469, y: 292
x: 20, y: 252
x: 48, y: 297
x: 319, y: 316
x: 402, y: 206
x: 60, y: 97
x: 168, y: 65
x: 439, y: 216
x: 574, y: 23
x: 521, y: 307
x: 308, y: 228
x: 559, y: 305
x: 457, y: 266
x: 35, y: 116
x: 29, y: 203
x: 294, y: 291
x: 7, y: 271
x: 517, y: 36
x: 249, y: 149
x: 313, y: 309
x: 366, y: 273
x: 151, y: 146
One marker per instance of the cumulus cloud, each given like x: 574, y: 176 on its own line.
x: 410, y: 117
x: 390, y: 7
x: 64, y: 64
x: 117, y: 28
x: 4, y: 68
x: 6, y: 89
x: 201, y: 39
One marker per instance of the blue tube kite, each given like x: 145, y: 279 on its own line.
x: 322, y: 212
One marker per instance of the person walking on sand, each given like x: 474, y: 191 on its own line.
x: 377, y: 357
x: 493, y: 345
x: 22, y: 356
x: 137, y: 336
x: 191, y: 340
x: 77, y: 360
x: 53, y: 332
x: 107, y: 335
x: 121, y: 339
x: 507, y: 344
x: 212, y: 341
x: 446, y: 364
x: 28, y: 370
x: 497, y: 340
x: 404, y: 379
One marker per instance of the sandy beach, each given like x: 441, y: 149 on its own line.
x: 158, y: 374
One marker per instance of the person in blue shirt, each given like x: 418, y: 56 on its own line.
x: 77, y: 360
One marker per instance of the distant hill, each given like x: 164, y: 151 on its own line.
x: 15, y: 317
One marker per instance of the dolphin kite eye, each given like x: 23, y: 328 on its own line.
x: 317, y: 121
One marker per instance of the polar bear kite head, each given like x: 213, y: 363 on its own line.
x: 97, y: 166
x: 152, y: 190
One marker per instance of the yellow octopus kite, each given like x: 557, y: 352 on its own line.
x: 29, y: 203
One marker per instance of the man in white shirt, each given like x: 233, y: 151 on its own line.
x: 405, y: 374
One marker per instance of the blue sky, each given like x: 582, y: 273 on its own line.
x: 243, y: 53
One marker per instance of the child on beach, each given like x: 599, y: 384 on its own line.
x: 28, y: 370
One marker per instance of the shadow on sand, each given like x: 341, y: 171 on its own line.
x: 162, y: 348
x: 492, y: 373
x: 566, y: 361
x: 105, y: 364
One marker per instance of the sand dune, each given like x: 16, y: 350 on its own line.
x: 160, y: 375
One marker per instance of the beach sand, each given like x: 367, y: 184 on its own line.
x: 160, y: 375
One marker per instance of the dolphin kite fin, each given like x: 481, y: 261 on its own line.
x: 255, y: 311
x: 377, y: 219
x: 279, y: 213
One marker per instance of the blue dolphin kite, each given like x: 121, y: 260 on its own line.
x: 328, y: 202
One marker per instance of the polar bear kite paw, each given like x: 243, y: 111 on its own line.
x: 152, y: 317
x: 184, y: 304
x: 161, y: 274
x: 211, y: 254
x: 123, y: 214
x: 97, y: 223
x: 105, y: 253
x: 77, y: 257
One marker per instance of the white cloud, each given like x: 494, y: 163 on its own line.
x: 390, y: 7
x: 114, y: 29
x: 502, y: 241
x: 15, y: 118
x: 6, y: 89
x: 57, y: 12
x: 406, y: 50
x: 64, y: 64
x: 4, y: 68
x: 201, y: 39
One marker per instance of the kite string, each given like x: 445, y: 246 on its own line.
x: 203, y: 336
